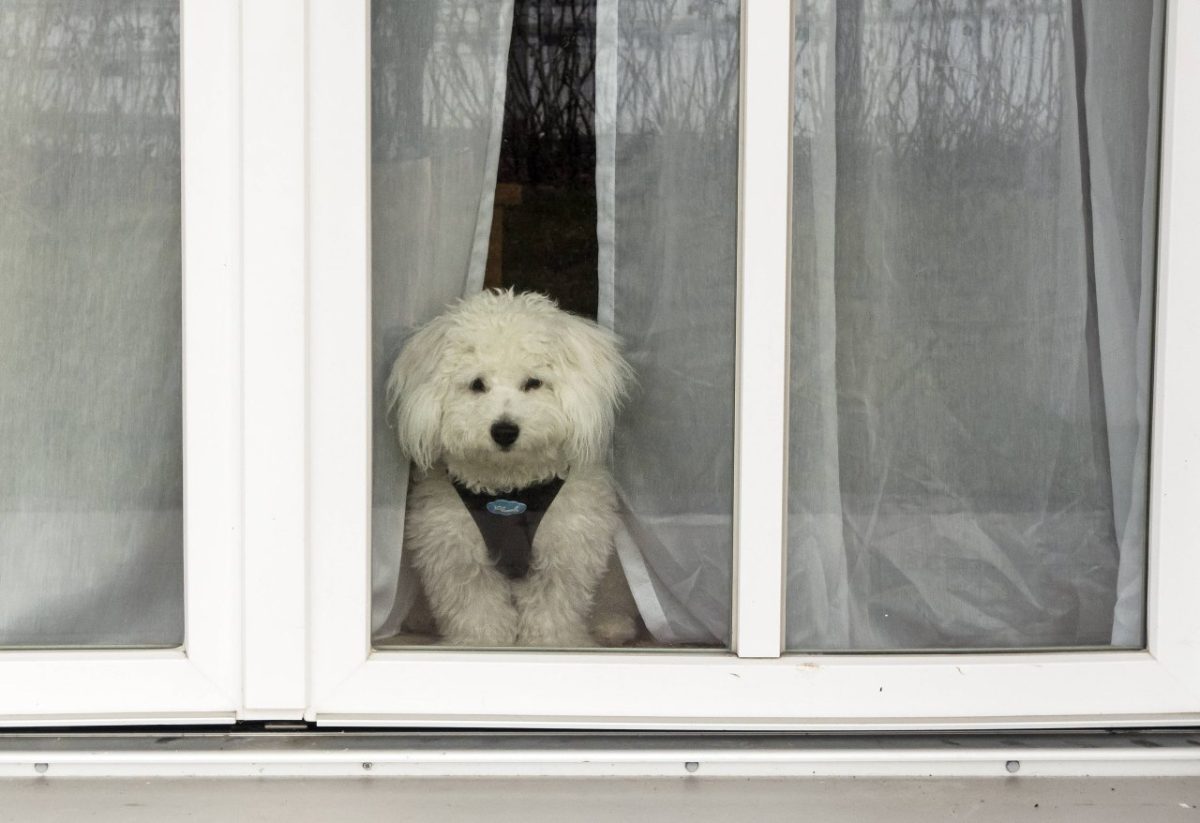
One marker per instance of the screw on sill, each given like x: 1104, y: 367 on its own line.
x: 368, y: 766
x: 1013, y: 766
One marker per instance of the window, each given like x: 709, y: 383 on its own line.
x: 92, y: 531
x: 554, y: 147
x: 974, y: 227
x: 119, y: 529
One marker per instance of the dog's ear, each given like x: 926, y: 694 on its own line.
x: 415, y: 394
x: 593, y: 380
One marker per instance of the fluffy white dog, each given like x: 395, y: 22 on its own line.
x: 505, y: 405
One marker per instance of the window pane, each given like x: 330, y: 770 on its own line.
x: 91, y: 541
x: 585, y: 150
x: 973, y: 277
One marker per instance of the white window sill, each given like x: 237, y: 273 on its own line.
x: 304, y: 753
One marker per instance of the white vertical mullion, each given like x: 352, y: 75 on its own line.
x: 763, y: 243
x: 275, y: 356
x: 340, y: 395
x: 210, y: 119
x: 1173, y: 622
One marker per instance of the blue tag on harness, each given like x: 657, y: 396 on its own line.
x: 506, y: 508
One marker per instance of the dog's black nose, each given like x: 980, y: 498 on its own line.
x: 505, y: 433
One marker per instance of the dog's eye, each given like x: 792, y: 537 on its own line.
x: 531, y: 384
x: 478, y: 386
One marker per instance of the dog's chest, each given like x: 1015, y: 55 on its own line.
x: 508, y: 521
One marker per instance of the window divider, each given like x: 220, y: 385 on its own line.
x: 340, y: 395
x: 275, y: 308
x: 763, y: 255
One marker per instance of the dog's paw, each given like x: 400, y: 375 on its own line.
x: 555, y: 636
x: 562, y: 640
x: 615, y: 630
x: 480, y: 639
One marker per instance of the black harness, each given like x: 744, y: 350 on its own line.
x: 508, y: 522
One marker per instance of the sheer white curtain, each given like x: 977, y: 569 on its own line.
x: 437, y: 77
x: 667, y: 133
x: 973, y: 272
x: 91, y: 527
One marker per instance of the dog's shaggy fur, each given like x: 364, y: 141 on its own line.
x: 517, y: 360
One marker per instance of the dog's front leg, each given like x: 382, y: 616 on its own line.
x: 478, y: 611
x: 473, y: 606
x: 553, y: 605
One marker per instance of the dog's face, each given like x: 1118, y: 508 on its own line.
x: 503, y: 401
x: 506, y: 388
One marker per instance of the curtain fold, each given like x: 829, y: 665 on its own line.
x: 1121, y: 94
x: 817, y: 577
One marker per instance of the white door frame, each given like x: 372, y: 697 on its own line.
x: 754, y: 687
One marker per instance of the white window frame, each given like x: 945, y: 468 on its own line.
x: 755, y: 686
x: 199, y: 682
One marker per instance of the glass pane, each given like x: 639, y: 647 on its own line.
x: 91, y: 541
x: 585, y: 150
x: 973, y: 278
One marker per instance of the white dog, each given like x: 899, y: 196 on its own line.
x: 505, y: 404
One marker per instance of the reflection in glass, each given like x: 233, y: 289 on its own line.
x: 91, y: 540
x: 972, y: 280
x: 585, y: 149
